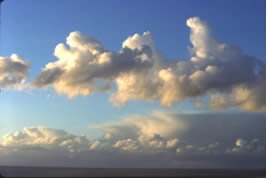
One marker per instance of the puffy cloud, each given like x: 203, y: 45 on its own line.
x: 127, y: 145
x: 204, y: 45
x: 230, y: 138
x: 183, y: 133
x: 248, y: 98
x: 244, y: 146
x: 157, y: 142
x: 139, y: 72
x: 215, y: 68
x: 95, y: 145
x: 45, y: 137
x: 84, y: 66
x: 172, y: 143
x: 138, y: 41
x: 13, y: 71
x: 212, y: 148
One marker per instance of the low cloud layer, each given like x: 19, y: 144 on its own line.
x: 229, y: 139
x: 13, y: 71
x: 46, y: 138
x: 158, y: 123
x: 139, y: 72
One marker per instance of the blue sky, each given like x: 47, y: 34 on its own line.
x: 33, y: 28
x: 190, y: 52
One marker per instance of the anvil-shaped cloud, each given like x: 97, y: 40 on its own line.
x: 171, y: 140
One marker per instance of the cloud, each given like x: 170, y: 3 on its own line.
x: 45, y: 137
x: 13, y: 71
x: 95, y: 145
x: 229, y: 139
x: 84, y: 66
x: 248, y: 98
x: 172, y: 143
x: 158, y: 123
x: 214, y: 68
x: 212, y: 148
x: 184, y: 133
x: 138, y: 71
x: 127, y: 145
x: 244, y: 146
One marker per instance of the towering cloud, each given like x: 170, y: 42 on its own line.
x: 139, y: 72
x: 13, y: 71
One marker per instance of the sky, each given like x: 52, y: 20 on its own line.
x: 132, y: 75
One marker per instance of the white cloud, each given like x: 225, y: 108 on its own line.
x: 95, y: 145
x: 45, y: 137
x: 13, y: 71
x: 238, y: 137
x: 172, y: 143
x: 248, y: 98
x: 127, y: 145
x: 158, y: 123
x: 84, y: 66
x: 158, y: 142
x: 139, y: 72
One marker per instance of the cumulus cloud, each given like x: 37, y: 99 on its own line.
x: 215, y: 68
x: 126, y: 144
x: 139, y: 72
x: 230, y: 138
x: 95, y: 145
x: 172, y: 143
x: 84, y: 66
x: 250, y: 98
x: 243, y: 146
x: 185, y: 133
x: 13, y: 71
x: 45, y: 137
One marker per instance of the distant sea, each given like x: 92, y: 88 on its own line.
x: 127, y: 172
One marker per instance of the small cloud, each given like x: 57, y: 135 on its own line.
x: 13, y: 72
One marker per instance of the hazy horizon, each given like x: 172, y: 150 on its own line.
x: 148, y: 84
